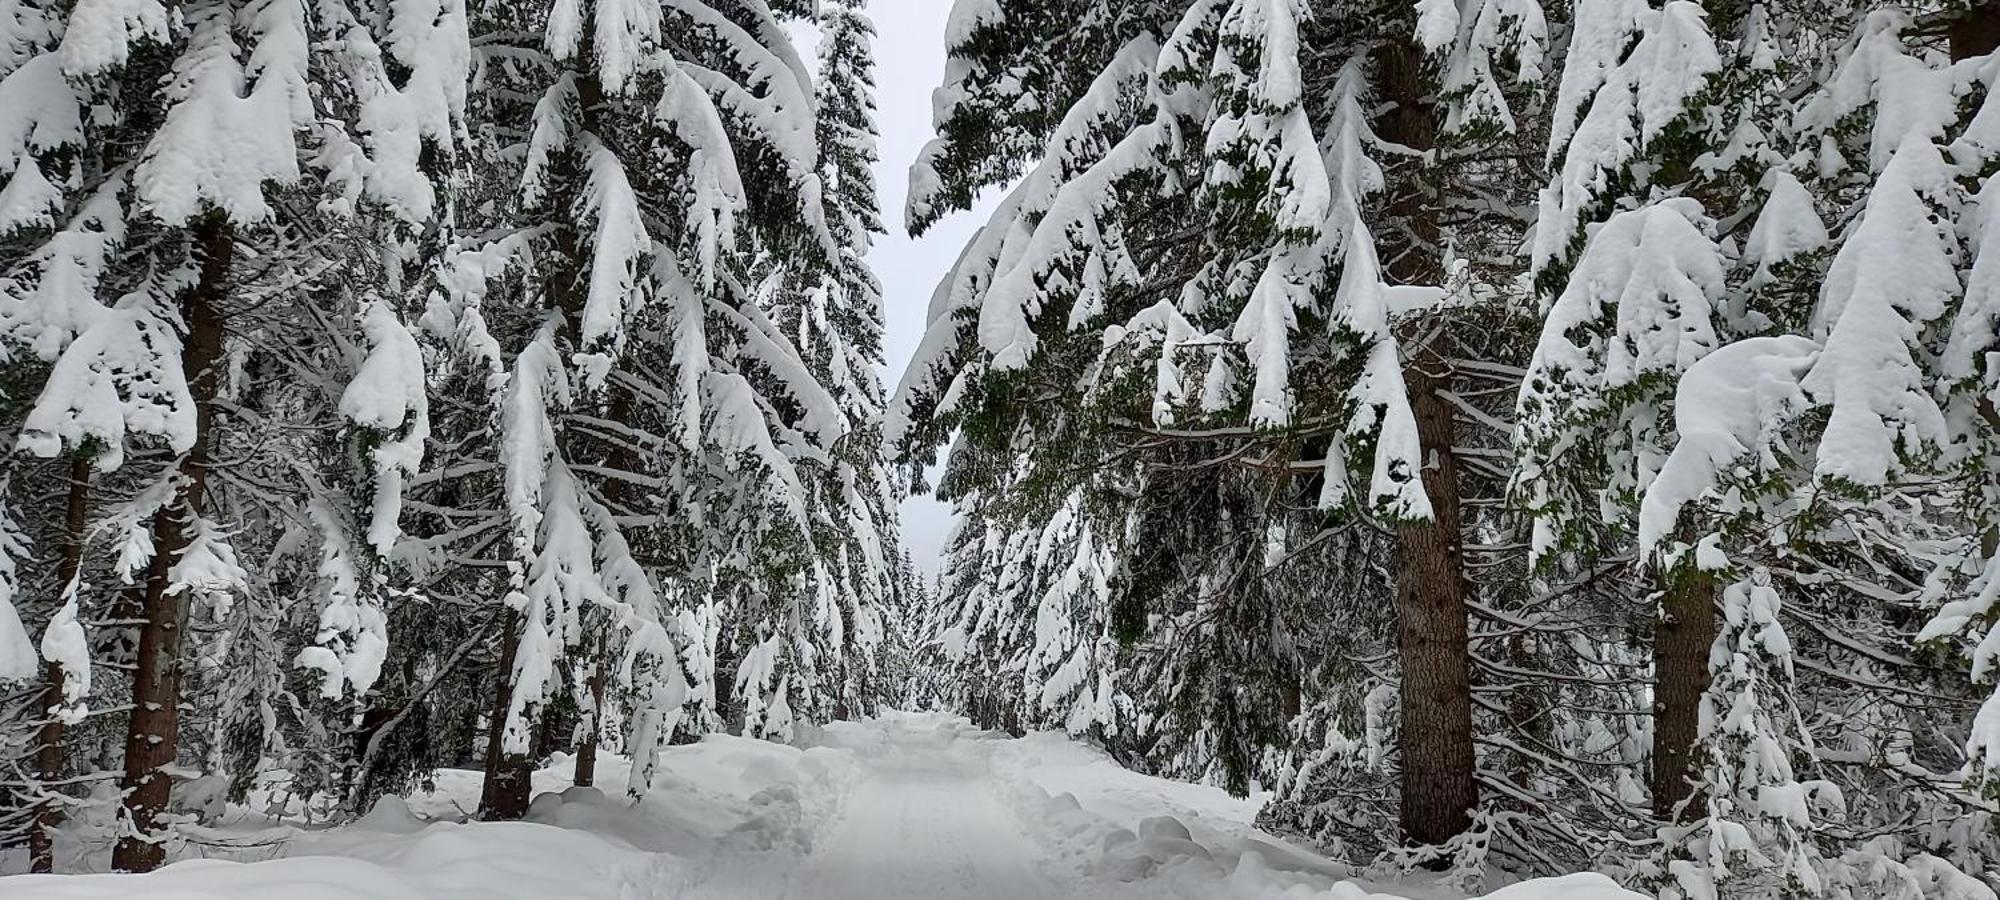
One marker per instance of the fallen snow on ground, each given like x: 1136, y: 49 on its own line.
x: 906, y: 806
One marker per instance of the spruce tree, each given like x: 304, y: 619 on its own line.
x: 1313, y: 259
x: 214, y: 97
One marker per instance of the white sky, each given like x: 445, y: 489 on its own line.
x: 910, y: 58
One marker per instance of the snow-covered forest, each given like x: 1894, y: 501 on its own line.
x: 1422, y: 446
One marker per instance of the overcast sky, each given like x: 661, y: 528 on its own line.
x: 910, y: 56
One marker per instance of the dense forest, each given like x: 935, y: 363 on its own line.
x: 402, y: 385
x: 1515, y: 436
x: 1546, y: 436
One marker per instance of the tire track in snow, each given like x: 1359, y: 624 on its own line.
x: 925, y: 824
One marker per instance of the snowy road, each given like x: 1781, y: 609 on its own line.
x: 904, y: 807
x: 924, y: 823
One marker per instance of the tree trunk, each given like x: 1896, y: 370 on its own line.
x: 586, y: 749
x: 153, y: 738
x: 509, y: 786
x: 509, y: 777
x: 1436, y: 737
x: 49, y: 754
x: 1681, y: 643
x: 48, y: 769
x: 1976, y: 32
x: 618, y: 458
x: 724, y: 686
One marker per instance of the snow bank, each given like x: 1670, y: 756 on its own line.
x: 302, y: 879
x: 442, y: 861
x: 722, y: 799
x: 1127, y: 835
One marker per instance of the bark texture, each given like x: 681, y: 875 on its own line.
x: 593, y: 720
x: 509, y: 776
x: 49, y: 754
x: 153, y: 736
x: 1976, y: 32
x: 1438, y: 790
x: 1681, y: 643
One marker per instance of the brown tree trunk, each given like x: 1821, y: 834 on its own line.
x: 1436, y: 738
x: 153, y: 738
x: 48, y: 769
x: 509, y: 776
x: 726, y: 702
x: 49, y: 755
x: 1681, y: 643
x: 1438, y: 790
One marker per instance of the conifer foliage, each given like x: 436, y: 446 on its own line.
x: 1519, y: 438
x: 423, y: 384
x: 1543, y: 436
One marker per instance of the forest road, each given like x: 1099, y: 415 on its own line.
x: 924, y: 823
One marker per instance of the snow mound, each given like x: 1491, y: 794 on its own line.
x: 316, y: 878
x: 1582, y: 886
x: 588, y: 809
x: 391, y: 815
x: 443, y: 861
x: 1122, y: 834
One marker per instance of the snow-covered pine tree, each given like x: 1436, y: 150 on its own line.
x: 1753, y: 839
x: 399, y: 162
x: 42, y: 122
x: 193, y: 113
x: 1711, y: 168
x: 390, y: 121
x: 983, y: 624
x: 1213, y: 252
x: 1796, y: 471
x: 53, y: 697
x: 155, y: 348
x: 1972, y: 380
x: 831, y: 309
x: 1023, y: 634
x: 653, y: 419
x: 410, y: 121
x: 32, y: 30
x: 1071, y: 679
x: 1774, y: 812
x: 872, y: 558
x: 909, y: 676
x: 1638, y: 130
x: 1223, y: 625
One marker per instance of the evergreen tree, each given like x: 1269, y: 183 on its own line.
x: 1202, y: 252
x: 300, y: 240
x: 831, y: 309
x: 1229, y: 288
x: 218, y: 96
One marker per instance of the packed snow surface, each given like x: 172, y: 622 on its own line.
x: 905, y: 806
